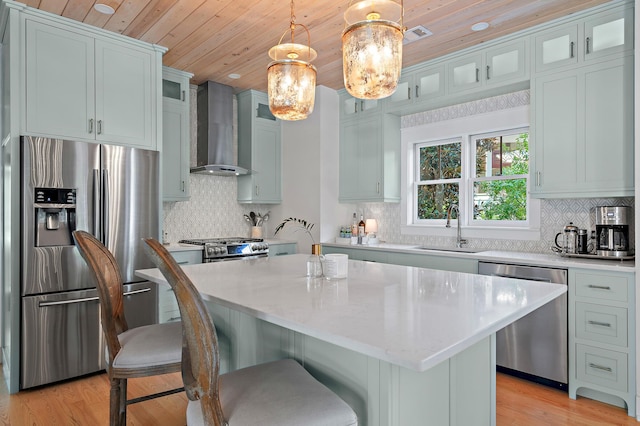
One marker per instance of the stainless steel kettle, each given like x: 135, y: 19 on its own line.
x: 569, y: 239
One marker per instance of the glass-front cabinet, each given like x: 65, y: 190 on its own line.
x: 604, y: 34
x: 612, y: 33
x: 176, y: 143
x: 419, y: 85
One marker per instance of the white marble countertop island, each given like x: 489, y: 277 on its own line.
x: 411, y: 317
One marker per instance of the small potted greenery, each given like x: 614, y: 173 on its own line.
x: 301, y: 224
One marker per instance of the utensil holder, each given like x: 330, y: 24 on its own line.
x: 256, y: 232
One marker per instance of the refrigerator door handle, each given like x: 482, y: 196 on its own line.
x: 105, y: 207
x: 67, y: 302
x: 142, y: 290
x: 97, y: 228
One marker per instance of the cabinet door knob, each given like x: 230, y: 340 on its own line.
x: 571, y: 49
x: 91, y: 125
x: 417, y: 91
x: 477, y: 75
x: 408, y: 92
x: 257, y: 190
x: 99, y: 127
x: 538, y: 178
x: 183, y: 96
x: 488, y: 77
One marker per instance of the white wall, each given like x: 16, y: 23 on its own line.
x: 310, y: 152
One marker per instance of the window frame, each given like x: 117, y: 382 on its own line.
x: 472, y: 179
x: 462, y: 129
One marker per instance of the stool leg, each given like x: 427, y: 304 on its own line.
x: 123, y: 402
x: 114, y: 402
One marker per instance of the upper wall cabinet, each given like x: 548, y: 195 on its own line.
x: 591, y: 39
x: 418, y: 86
x: 259, y: 150
x: 351, y: 107
x: 583, y: 131
x: 369, y: 157
x: 80, y: 86
x: 176, y: 146
x: 494, y: 66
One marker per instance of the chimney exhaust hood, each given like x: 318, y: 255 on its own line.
x: 215, y: 154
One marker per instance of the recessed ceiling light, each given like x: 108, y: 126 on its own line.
x: 104, y: 7
x: 480, y: 26
x: 234, y: 76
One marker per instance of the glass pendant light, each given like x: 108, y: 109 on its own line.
x: 372, y: 48
x: 291, y: 77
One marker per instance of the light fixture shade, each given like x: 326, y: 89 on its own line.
x: 371, y: 226
x: 372, y: 49
x: 291, y: 88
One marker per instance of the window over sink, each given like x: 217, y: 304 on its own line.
x: 479, y: 163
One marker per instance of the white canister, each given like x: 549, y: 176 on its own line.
x: 336, y: 265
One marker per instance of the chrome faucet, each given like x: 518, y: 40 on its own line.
x: 459, y: 240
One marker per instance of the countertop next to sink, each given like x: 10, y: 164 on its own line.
x: 537, y: 259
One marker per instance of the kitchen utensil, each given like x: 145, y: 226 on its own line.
x: 569, y: 239
x: 253, y: 218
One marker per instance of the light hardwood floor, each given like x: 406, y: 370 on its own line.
x: 86, y: 402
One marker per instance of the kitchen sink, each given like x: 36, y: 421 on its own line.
x: 450, y: 249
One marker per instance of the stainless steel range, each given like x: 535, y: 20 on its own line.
x: 234, y: 248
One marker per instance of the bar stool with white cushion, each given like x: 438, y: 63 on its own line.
x: 277, y: 393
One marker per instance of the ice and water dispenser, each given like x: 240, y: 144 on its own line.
x: 55, y: 216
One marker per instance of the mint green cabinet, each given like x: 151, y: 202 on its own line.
x: 602, y: 342
x: 418, y: 87
x: 351, y: 107
x: 81, y: 86
x: 176, y: 143
x: 503, y: 64
x: 282, y: 249
x: 582, y: 131
x: 420, y: 260
x: 589, y: 39
x: 369, y: 158
x: 259, y: 150
x: 168, y: 309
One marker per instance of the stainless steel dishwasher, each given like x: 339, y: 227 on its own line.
x: 534, y: 347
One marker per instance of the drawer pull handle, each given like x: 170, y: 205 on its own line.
x: 600, y: 287
x: 600, y: 367
x: 184, y: 262
x: 601, y: 324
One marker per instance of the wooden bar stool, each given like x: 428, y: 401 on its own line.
x: 137, y: 352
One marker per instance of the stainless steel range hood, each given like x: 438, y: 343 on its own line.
x: 215, y: 154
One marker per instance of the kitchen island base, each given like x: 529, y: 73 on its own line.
x: 457, y: 391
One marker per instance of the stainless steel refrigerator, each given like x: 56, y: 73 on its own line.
x: 109, y: 191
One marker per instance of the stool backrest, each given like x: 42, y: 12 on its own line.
x: 200, y: 357
x: 105, y: 271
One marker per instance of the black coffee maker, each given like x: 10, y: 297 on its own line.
x: 612, y: 231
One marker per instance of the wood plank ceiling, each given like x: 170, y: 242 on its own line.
x: 215, y: 38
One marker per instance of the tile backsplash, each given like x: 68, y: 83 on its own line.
x: 213, y: 210
x: 555, y: 214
